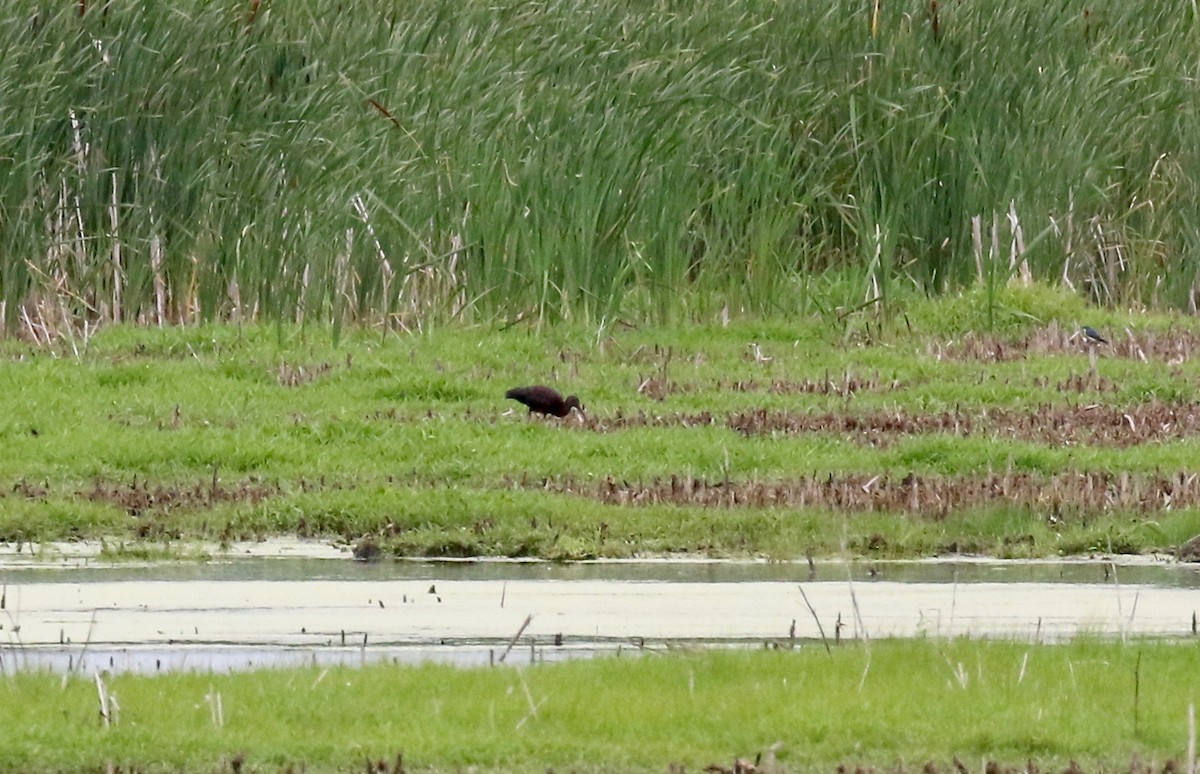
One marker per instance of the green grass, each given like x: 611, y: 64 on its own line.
x: 231, y: 432
x: 891, y: 704
x: 586, y: 161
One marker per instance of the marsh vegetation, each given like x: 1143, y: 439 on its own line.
x: 850, y: 212
x: 925, y: 705
x: 764, y: 439
x: 817, y: 273
x: 583, y: 161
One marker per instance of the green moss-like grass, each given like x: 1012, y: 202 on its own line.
x: 226, y: 432
x: 889, y: 704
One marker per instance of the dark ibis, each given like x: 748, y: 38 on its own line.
x: 1093, y: 335
x: 544, y: 400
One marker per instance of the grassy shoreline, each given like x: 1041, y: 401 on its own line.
x: 773, y: 439
x: 887, y: 704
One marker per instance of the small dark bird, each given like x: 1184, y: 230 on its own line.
x: 1093, y: 335
x: 544, y: 400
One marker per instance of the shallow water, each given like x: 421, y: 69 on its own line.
x: 255, y: 611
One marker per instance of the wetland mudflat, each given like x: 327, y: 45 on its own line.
x: 262, y: 612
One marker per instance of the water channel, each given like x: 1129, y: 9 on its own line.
x: 291, y: 604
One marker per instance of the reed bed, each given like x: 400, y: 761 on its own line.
x: 338, y: 162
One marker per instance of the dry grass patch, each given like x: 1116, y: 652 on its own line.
x: 1173, y: 346
x: 1059, y: 425
x: 931, y: 496
x: 139, y: 497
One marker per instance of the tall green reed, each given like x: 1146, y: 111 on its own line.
x: 410, y: 166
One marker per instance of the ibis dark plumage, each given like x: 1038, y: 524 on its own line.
x: 1093, y: 335
x: 544, y: 400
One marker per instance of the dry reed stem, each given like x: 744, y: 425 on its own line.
x: 1191, y: 742
x: 816, y: 618
x: 515, y: 637
x: 102, y: 692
